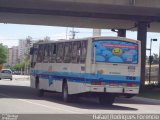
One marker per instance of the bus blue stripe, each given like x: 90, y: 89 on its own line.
x: 84, y: 77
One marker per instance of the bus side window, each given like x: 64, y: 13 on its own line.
x: 76, y: 51
x: 37, y: 59
x: 46, y: 53
x: 60, y: 53
x: 83, y: 51
x: 31, y: 51
x: 39, y: 52
x: 40, y: 55
x: 34, y: 55
x: 67, y: 52
x: 53, y: 52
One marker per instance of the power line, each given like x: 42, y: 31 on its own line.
x: 73, y: 33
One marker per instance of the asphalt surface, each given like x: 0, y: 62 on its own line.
x: 16, y: 97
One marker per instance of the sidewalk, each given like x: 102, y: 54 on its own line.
x: 21, y: 77
x: 146, y: 100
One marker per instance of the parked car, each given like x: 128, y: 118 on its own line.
x: 6, y: 74
x: 16, y: 72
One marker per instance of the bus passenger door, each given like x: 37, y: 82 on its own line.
x: 83, y: 58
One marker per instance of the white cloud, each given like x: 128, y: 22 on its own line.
x: 8, y: 41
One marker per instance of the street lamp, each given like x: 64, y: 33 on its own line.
x: 150, y: 59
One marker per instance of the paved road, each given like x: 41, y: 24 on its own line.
x: 18, y: 98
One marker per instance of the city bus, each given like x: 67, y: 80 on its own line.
x: 103, y: 67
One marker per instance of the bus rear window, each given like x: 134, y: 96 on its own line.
x: 114, y: 51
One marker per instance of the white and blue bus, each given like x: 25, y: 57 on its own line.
x: 105, y: 67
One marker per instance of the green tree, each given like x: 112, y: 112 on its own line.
x: 155, y: 59
x: 21, y: 66
x: 3, y: 54
x: 16, y: 67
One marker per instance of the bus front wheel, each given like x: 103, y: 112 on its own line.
x: 106, y: 99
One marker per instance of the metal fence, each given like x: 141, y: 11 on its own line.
x: 154, y: 74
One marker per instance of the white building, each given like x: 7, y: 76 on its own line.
x: 15, y: 55
x: 9, y: 58
x: 12, y: 56
x: 24, y: 48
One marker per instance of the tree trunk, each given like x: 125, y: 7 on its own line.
x: 1, y: 66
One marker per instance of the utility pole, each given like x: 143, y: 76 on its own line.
x: 150, y: 59
x: 73, y: 33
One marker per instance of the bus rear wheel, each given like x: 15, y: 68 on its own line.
x: 66, y: 96
x: 106, y: 99
x: 40, y: 92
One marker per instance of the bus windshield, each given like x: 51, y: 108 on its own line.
x: 116, y: 51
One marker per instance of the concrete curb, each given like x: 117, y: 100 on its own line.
x: 146, y: 100
x: 21, y: 77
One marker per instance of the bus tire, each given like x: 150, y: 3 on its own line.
x: 66, y: 96
x: 106, y: 99
x: 40, y: 92
x: 37, y: 83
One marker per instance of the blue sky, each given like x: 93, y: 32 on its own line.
x: 11, y: 33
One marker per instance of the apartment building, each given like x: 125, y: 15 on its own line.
x: 12, y: 56
x: 24, y: 48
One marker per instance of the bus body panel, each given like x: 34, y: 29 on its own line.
x: 86, y: 77
x: 51, y: 76
x: 119, y: 77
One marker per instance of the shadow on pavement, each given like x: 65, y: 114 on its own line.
x: 24, y: 92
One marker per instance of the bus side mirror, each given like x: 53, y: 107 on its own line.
x: 31, y: 51
x: 33, y: 64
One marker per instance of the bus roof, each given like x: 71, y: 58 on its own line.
x: 87, y: 38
